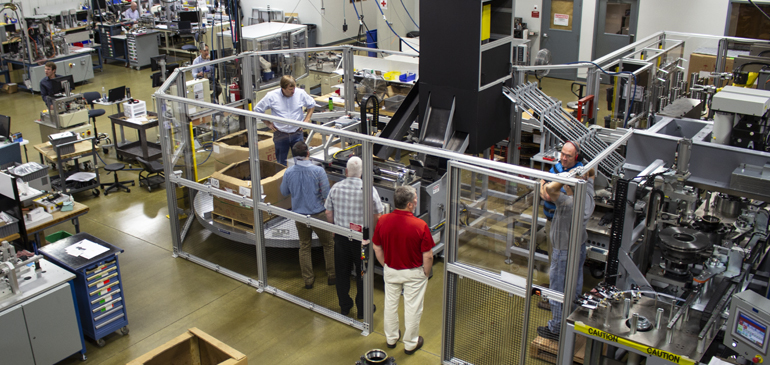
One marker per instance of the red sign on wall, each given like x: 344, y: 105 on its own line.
x: 535, y: 14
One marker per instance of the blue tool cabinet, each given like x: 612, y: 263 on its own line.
x: 98, y: 286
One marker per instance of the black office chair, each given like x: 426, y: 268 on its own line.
x: 151, y: 174
x: 117, y: 185
x: 185, y: 31
x: 90, y: 97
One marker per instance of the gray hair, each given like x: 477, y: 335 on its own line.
x: 355, y: 167
x: 403, y: 196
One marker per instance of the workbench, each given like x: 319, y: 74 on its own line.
x: 83, y: 148
x: 140, y: 148
x: 40, y: 325
x: 59, y: 217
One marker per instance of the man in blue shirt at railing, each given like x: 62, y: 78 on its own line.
x: 286, y: 102
x: 308, y: 186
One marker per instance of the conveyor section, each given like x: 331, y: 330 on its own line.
x: 562, y: 124
x: 399, y: 124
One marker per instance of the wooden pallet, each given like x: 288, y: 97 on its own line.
x: 545, y: 349
x: 232, y: 222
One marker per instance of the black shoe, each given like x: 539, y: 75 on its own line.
x: 361, y: 313
x: 544, y: 332
x: 332, y: 281
x: 345, y: 312
x: 308, y: 286
x: 420, y: 341
x: 394, y: 345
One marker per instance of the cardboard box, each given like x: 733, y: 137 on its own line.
x: 235, y: 178
x: 234, y: 148
x: 705, y: 64
x: 10, y: 88
x: 193, y: 347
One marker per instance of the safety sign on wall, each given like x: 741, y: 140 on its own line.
x: 561, y: 19
x: 383, y: 4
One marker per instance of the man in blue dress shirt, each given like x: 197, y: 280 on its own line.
x: 286, y: 102
x: 308, y: 186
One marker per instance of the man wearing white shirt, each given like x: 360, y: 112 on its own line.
x: 133, y: 13
x: 286, y: 102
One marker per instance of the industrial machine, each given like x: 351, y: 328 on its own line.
x: 13, y: 268
x: 69, y: 113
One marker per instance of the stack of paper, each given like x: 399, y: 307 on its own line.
x: 86, y: 249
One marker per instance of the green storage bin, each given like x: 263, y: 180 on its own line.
x: 53, y: 237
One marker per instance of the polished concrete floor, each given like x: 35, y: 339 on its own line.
x: 166, y: 295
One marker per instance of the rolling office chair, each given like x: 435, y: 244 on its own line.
x: 117, y: 185
x: 185, y: 31
x: 153, y: 173
x: 90, y: 97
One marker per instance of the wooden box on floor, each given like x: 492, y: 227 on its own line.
x: 234, y: 148
x: 193, y: 347
x: 236, y: 179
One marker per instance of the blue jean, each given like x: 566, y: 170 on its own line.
x: 283, y: 142
x: 557, y: 276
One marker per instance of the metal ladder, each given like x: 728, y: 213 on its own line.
x: 562, y: 124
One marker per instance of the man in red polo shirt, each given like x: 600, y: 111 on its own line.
x: 403, y: 245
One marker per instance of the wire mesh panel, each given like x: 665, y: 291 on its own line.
x: 487, y: 323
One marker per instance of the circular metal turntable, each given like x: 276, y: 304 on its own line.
x: 682, y: 247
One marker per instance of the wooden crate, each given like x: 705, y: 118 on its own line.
x: 194, y: 347
x: 545, y: 349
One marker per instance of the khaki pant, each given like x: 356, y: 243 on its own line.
x: 305, y: 257
x: 414, y: 282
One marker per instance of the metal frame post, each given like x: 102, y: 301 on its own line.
x: 256, y: 196
x: 573, y: 256
x: 368, y: 183
x: 164, y: 125
x: 530, y: 272
x: 450, y: 256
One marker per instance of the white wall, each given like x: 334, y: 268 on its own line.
x: 585, y: 52
x: 49, y: 6
x: 691, y: 16
x: 330, y: 23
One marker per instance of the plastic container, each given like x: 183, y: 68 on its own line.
x: 391, y: 76
x: 407, y: 77
x: 53, y: 237
x: 10, y: 228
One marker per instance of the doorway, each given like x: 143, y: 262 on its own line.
x: 560, y: 30
x: 615, y: 25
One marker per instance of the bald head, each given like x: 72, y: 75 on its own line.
x: 568, y: 155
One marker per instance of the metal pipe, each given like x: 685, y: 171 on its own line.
x: 607, y: 315
x: 626, y: 307
x: 658, y: 318
x: 634, y: 323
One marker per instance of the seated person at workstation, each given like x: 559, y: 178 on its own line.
x: 206, y: 72
x: 46, y: 84
x: 132, y: 13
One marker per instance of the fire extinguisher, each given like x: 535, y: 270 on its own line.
x: 235, y: 91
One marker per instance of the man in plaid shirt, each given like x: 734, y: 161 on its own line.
x: 345, y: 208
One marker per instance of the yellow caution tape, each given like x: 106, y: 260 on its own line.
x: 651, y: 351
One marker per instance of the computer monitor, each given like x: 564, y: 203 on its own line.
x: 189, y: 16
x: 116, y: 94
x: 5, y: 126
x: 154, y: 62
x: 100, y: 5
x: 170, y: 68
x: 58, y: 88
x: 156, y: 79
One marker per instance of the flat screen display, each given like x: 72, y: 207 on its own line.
x: 751, y: 330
